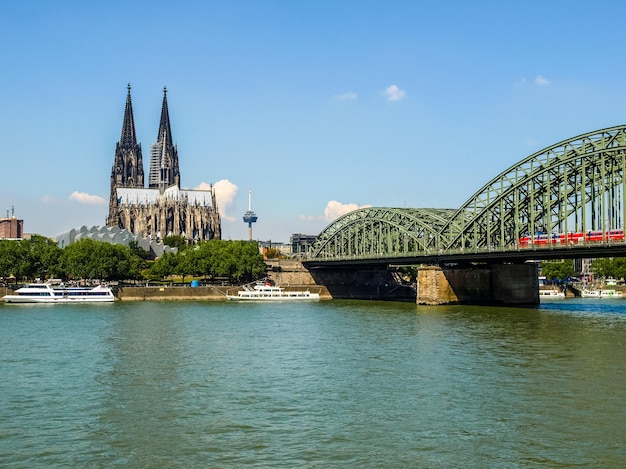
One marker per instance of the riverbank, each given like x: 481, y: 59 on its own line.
x: 178, y: 293
x: 199, y: 293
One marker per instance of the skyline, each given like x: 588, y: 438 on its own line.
x: 317, y: 108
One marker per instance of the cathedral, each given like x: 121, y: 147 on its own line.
x: 163, y: 208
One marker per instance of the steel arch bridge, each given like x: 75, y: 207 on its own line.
x: 574, y: 186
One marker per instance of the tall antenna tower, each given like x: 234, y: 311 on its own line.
x: 250, y: 217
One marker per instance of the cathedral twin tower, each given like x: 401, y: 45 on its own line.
x: 162, y: 209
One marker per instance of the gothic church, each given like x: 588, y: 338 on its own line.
x: 162, y: 209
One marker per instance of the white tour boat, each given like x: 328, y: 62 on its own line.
x: 267, y: 292
x: 48, y: 293
x: 601, y: 293
x: 551, y: 294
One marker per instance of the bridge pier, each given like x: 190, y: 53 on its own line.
x: 491, y: 284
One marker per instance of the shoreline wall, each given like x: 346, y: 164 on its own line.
x: 200, y: 293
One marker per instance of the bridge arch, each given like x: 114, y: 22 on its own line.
x: 380, y: 232
x: 576, y: 185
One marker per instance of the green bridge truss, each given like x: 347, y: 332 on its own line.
x: 573, y: 186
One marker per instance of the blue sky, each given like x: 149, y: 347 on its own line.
x: 318, y: 107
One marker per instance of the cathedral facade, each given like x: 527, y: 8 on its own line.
x: 163, y: 208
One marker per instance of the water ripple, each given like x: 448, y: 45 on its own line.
x: 334, y: 384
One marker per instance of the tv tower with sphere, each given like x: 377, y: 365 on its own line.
x: 250, y: 217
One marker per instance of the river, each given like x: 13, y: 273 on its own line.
x: 316, y: 385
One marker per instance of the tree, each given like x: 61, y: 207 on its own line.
x: 273, y: 253
x: 609, y: 267
x: 90, y: 259
x: 37, y: 257
x: 138, y: 250
x: 235, y: 260
x: 44, y: 255
x: 14, y: 259
x: 559, y: 270
x: 179, y: 242
x: 252, y: 265
x: 164, y: 266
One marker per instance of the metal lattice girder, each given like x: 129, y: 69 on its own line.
x: 380, y: 232
x: 575, y: 185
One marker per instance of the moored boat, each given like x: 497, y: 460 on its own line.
x: 551, y: 294
x: 268, y: 292
x: 601, y: 293
x: 48, y: 293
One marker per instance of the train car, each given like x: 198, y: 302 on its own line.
x: 616, y: 234
x: 592, y: 236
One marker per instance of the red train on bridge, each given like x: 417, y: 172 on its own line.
x: 572, y: 238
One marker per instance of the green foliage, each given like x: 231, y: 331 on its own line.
x: 409, y: 274
x: 14, y: 259
x: 37, y: 257
x: 236, y: 260
x: 179, y: 242
x: 89, y: 259
x: 239, y: 261
x: 558, y: 269
x: 609, y: 267
x: 138, y: 250
x: 273, y: 253
x: 164, y: 266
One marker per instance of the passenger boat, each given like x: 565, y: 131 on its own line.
x: 551, y: 294
x: 601, y: 293
x: 49, y: 293
x: 267, y: 292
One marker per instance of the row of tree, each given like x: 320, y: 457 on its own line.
x: 234, y: 261
x: 238, y: 261
x: 613, y: 267
x: 39, y: 257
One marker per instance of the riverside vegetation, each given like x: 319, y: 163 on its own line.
x: 87, y: 259
x: 231, y: 261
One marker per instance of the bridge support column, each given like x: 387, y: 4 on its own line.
x: 495, y: 284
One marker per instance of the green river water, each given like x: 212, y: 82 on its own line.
x: 313, y: 385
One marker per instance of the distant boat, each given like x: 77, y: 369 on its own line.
x: 48, y: 293
x: 601, y: 293
x: 267, y: 292
x: 551, y: 294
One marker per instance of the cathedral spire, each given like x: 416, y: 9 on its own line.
x: 129, y: 137
x: 165, y: 131
x: 164, y: 171
x: 127, y: 168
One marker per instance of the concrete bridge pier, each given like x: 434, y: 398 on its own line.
x: 490, y: 284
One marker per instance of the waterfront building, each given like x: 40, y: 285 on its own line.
x: 11, y: 228
x: 301, y: 244
x: 163, y: 208
x: 113, y: 235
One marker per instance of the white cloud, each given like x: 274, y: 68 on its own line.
x: 225, y: 195
x: 47, y: 199
x: 541, y: 81
x: 346, y: 96
x: 394, y: 93
x: 336, y: 209
x: 203, y: 186
x: 84, y: 198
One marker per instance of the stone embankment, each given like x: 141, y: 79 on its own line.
x: 200, y: 293
x: 289, y: 274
